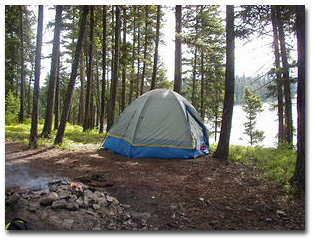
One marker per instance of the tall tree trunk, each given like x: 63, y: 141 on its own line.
x: 216, y: 105
x: 286, y: 81
x: 299, y: 172
x: 138, y: 53
x: 21, y: 114
x: 89, y: 100
x: 281, y: 131
x: 97, y: 91
x: 202, y: 86
x: 133, y: 58
x: 69, y: 93
x: 57, y: 97
x: 81, y: 116
x: 91, y: 120
x: 145, y: 50
x: 29, y: 91
x: 53, y: 74
x: 195, y: 60
x: 104, y: 63
x: 112, y: 39
x: 112, y: 61
x: 202, y: 71
x: 222, y: 151
x: 114, y: 81
x: 34, y: 125
x: 154, y: 77
x: 178, y: 53
x: 194, y: 78
x: 124, y: 61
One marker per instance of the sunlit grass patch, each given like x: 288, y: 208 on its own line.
x: 19, y: 132
x: 74, y: 137
x: 277, y: 164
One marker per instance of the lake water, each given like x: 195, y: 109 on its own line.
x: 267, y: 121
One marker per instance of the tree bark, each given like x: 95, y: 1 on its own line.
x: 222, y: 151
x: 69, y: 93
x: 138, y: 53
x: 202, y: 72
x: 104, y: 63
x: 21, y: 114
x: 202, y: 86
x: 281, y: 131
x: 286, y: 81
x: 124, y: 62
x: 299, y: 172
x: 195, y: 60
x: 57, y: 97
x: 133, y: 58
x: 154, y: 76
x: 178, y: 52
x: 114, y: 81
x: 89, y: 100
x: 34, y: 124
x: 53, y: 74
x: 81, y: 116
x: 145, y: 50
x: 29, y: 113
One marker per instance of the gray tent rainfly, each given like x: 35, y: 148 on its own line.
x: 160, y: 123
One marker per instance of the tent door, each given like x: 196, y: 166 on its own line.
x: 199, y: 133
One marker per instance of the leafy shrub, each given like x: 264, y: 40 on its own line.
x: 12, y: 107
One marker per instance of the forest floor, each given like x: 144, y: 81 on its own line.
x: 153, y: 194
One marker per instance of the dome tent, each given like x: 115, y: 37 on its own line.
x: 160, y: 124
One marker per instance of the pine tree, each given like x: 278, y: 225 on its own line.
x: 222, y: 151
x: 89, y: 92
x: 53, y: 74
x: 299, y: 173
x: 34, y: 124
x: 153, y: 82
x: 178, y: 52
x: 104, y: 65
x: 114, y: 81
x: 22, y: 94
x: 252, y: 107
x: 70, y: 90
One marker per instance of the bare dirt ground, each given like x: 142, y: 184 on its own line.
x: 200, y: 194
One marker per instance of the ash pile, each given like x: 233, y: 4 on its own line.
x: 67, y: 205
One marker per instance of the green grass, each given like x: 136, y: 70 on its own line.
x: 277, y: 164
x: 74, y: 137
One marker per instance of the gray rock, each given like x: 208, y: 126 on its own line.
x: 64, y: 194
x: 112, y: 200
x: 96, y: 206
x: 59, y: 204
x: 80, y: 201
x: 281, y: 212
x: 72, y: 206
x: 126, y: 206
x: 73, y: 198
x: 12, y: 198
x: 54, y: 220
x: 67, y: 223
x: 33, y: 206
x: 102, y: 201
x: 49, y: 199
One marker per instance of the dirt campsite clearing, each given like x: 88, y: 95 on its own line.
x: 143, y: 194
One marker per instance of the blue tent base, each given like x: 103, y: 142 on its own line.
x: 123, y: 147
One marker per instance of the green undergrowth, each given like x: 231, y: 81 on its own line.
x: 74, y: 137
x: 276, y: 164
